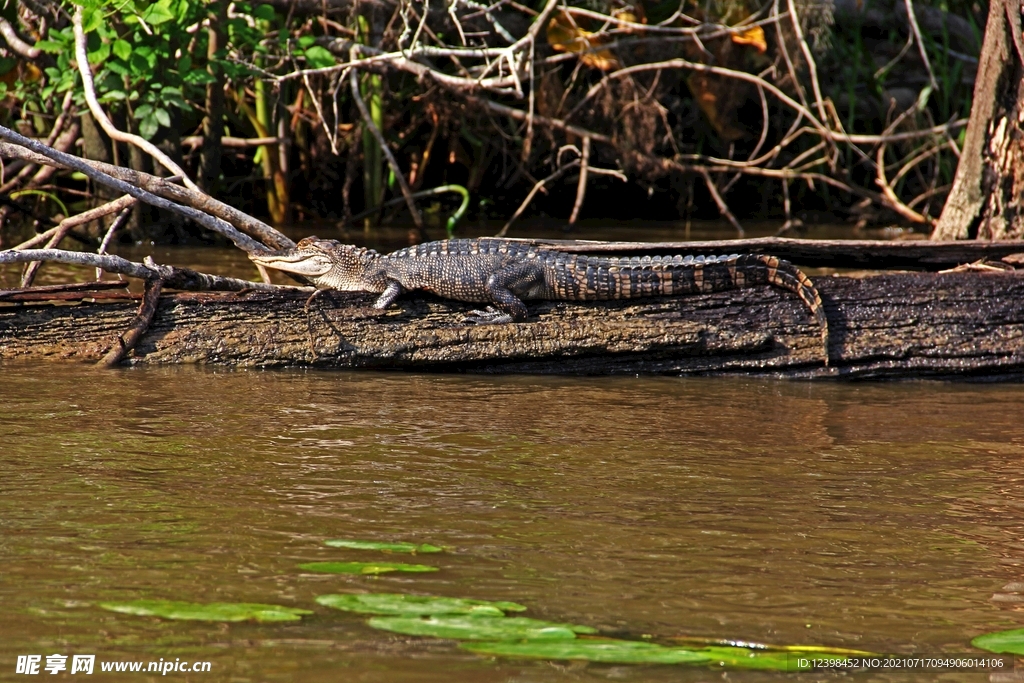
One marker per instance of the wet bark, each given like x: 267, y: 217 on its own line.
x: 986, y: 199
x: 866, y: 254
x: 887, y: 326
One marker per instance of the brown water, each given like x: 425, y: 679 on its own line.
x: 881, y: 517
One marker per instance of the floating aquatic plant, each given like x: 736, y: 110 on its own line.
x: 211, y: 611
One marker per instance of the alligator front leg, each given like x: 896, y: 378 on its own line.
x: 505, y: 289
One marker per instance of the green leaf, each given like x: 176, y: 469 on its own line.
x: 148, y: 126
x: 306, y: 41
x: 143, y: 111
x: 122, y: 48
x: 92, y: 19
x: 922, y: 98
x: 50, y: 46
x: 607, y: 651
x: 319, y: 58
x: 1002, y: 642
x: 162, y: 117
x: 265, y: 12
x: 633, y: 652
x: 107, y: 33
x: 773, y: 660
x: 198, y: 77
x: 138, y: 64
x: 214, y: 611
x: 100, y: 54
x: 364, y: 567
x: 117, y: 67
x: 415, y: 605
x: 171, y: 95
x: 158, y: 13
x: 112, y: 96
x: 480, y: 628
x: 386, y: 547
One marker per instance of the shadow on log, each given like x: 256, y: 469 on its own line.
x: 946, y: 325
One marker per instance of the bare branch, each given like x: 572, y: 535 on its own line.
x: 158, y: 186
x: 81, y: 56
x: 242, y: 241
x: 124, y: 343
x: 173, y: 276
x: 890, y: 198
x: 538, y: 186
x: 722, y: 206
x: 581, y: 187
x: 15, y: 42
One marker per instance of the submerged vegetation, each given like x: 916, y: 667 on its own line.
x: 484, y: 627
x: 343, y: 110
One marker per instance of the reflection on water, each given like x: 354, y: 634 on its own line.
x: 878, y: 517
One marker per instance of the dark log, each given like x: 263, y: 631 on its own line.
x: 964, y: 324
x: 39, y: 293
x: 868, y: 254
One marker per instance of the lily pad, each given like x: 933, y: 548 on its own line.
x: 364, y: 567
x: 415, y: 605
x: 213, y: 611
x: 634, y: 652
x: 480, y: 628
x: 607, y: 651
x: 772, y: 660
x: 1002, y: 642
x: 386, y: 547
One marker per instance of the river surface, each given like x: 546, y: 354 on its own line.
x: 885, y: 517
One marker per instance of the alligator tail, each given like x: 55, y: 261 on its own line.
x: 636, y: 277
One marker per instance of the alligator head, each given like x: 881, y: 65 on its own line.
x: 328, y: 264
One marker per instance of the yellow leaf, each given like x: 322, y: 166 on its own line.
x: 751, y: 36
x: 565, y: 36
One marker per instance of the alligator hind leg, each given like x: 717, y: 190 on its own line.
x: 505, y: 289
x: 389, y: 295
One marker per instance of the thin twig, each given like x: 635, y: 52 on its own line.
x: 116, y: 225
x: 912, y: 18
x: 723, y: 208
x: 891, y: 200
x: 538, y: 186
x: 812, y: 67
x: 58, y: 233
x: 581, y: 187
x: 368, y: 122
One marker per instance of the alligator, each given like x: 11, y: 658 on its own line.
x: 505, y: 273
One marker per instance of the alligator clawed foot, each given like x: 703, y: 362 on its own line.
x: 490, y: 316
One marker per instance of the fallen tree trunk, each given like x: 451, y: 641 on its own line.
x: 961, y: 324
x: 871, y: 254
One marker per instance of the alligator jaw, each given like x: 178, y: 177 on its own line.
x: 308, y: 265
